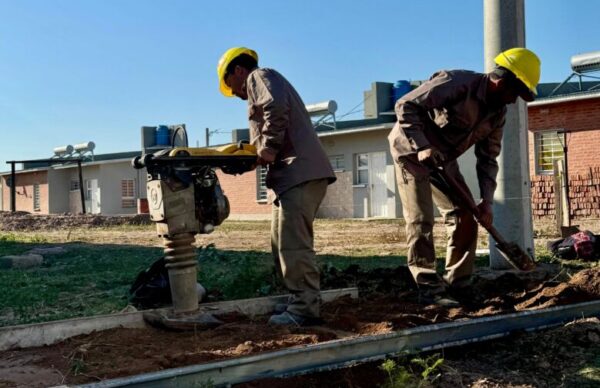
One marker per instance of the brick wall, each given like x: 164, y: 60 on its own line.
x: 24, y: 191
x: 583, y: 156
x: 241, y: 191
x: 582, y: 115
x: 584, y: 195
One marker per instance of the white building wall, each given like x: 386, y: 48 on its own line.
x: 352, y: 144
x: 110, y: 178
x: 58, y: 190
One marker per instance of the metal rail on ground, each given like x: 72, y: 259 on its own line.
x: 346, y: 352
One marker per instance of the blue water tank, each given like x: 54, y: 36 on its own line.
x: 162, y: 136
x: 399, y: 89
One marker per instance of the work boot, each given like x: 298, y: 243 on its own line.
x: 462, y: 283
x: 439, y: 298
x: 445, y: 300
x: 290, y: 319
x: 280, y: 308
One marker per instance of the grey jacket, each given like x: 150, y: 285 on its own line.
x: 450, y: 112
x: 280, y: 124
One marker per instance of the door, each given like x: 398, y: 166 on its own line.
x: 92, y: 196
x: 378, y: 184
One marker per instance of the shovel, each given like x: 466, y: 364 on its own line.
x: 513, y: 253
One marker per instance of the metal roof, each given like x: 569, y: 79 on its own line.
x: 565, y: 98
x: 116, y: 157
x: 347, y: 131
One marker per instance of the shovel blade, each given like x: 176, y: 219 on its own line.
x: 516, y: 256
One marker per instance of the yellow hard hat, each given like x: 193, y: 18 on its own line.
x: 225, y: 60
x: 523, y: 63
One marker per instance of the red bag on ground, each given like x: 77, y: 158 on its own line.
x: 584, y: 244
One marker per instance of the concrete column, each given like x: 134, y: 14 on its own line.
x: 504, y: 28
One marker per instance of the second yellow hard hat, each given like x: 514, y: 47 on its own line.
x: 523, y: 63
x: 225, y: 60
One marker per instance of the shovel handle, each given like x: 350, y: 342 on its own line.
x: 464, y: 199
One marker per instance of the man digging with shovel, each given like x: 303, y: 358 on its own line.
x: 437, y: 122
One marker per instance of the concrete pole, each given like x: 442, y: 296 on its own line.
x: 504, y: 28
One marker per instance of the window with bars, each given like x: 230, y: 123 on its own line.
x: 362, y: 169
x: 127, y: 193
x: 548, y: 148
x: 261, y: 186
x: 337, y: 162
x: 36, y: 197
x: 74, y: 185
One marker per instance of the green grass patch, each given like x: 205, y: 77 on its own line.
x: 87, y: 280
x: 237, y: 274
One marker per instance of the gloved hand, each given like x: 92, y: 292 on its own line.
x: 486, y: 215
x: 431, y: 157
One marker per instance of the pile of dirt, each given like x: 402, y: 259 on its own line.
x: 124, y: 352
x: 585, y: 285
x: 22, y: 221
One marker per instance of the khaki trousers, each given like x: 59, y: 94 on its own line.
x: 417, y: 196
x: 292, y: 243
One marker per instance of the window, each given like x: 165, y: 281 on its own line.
x: 548, y: 148
x: 36, y: 197
x: 337, y: 162
x: 74, y: 186
x: 362, y: 169
x: 127, y: 193
x: 261, y: 186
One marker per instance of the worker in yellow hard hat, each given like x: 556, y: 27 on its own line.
x: 437, y: 122
x: 298, y: 173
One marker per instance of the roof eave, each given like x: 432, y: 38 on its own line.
x: 566, y: 98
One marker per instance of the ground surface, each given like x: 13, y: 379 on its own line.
x: 102, y: 260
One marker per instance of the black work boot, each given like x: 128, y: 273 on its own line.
x: 438, y: 297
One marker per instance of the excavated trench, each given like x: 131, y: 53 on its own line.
x: 388, y: 302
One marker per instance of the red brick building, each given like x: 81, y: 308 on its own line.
x: 571, y: 119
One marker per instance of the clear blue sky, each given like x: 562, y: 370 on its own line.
x: 79, y: 70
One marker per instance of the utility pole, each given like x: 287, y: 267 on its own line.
x: 13, y: 188
x: 504, y: 28
x: 207, y: 136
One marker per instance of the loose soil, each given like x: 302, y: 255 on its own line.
x: 20, y: 221
x: 388, y: 303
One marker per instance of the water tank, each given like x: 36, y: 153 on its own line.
x: 162, y: 136
x: 399, y: 89
x: 586, y: 62
x: 322, y: 108
x: 63, y: 150
x: 83, y: 147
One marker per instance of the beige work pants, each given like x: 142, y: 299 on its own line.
x: 417, y: 196
x: 292, y: 242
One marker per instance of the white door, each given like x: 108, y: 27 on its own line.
x: 92, y: 196
x: 378, y: 184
